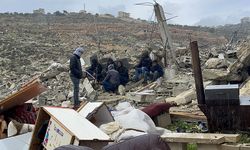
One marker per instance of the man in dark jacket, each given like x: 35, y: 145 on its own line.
x: 112, y: 80
x: 143, y: 68
x: 123, y: 71
x: 156, y: 71
x: 76, y: 73
x: 95, y: 69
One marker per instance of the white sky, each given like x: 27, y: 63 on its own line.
x: 189, y: 12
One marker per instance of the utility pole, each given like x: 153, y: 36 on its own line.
x: 170, y: 57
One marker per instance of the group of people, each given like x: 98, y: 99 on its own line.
x: 114, y: 74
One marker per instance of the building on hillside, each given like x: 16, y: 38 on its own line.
x: 122, y: 14
x: 39, y: 11
x: 106, y: 16
x: 245, y: 20
x: 82, y: 11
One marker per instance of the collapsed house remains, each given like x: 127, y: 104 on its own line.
x: 207, y: 85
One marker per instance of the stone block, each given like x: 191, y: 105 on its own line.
x: 245, y: 147
x: 163, y: 120
x: 229, y: 146
x: 177, y: 146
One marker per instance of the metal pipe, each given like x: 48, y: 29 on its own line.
x: 197, y: 73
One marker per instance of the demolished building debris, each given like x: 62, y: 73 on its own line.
x: 36, y: 91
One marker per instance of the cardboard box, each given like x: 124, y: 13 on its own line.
x: 96, y: 112
x: 66, y: 126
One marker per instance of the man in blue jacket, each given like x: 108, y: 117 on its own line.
x: 156, y: 71
x: 76, y: 73
x: 143, y: 68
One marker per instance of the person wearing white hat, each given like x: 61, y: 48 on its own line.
x: 76, y: 73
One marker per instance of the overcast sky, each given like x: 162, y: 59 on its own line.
x: 189, y: 12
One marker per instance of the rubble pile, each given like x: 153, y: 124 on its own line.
x: 38, y: 47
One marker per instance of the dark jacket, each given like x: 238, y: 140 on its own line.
x: 110, y: 62
x: 124, y: 77
x: 113, y: 77
x: 145, y: 62
x: 95, y: 68
x: 75, y: 67
x: 157, y: 68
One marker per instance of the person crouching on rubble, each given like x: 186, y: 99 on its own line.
x: 112, y: 79
x: 76, y: 73
x: 123, y: 71
x: 95, y: 69
x: 143, y: 68
x: 156, y: 71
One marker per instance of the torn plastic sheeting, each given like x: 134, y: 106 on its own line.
x: 129, y: 117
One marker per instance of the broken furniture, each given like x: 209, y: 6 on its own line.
x: 66, y: 126
x: 28, y: 91
x: 96, y: 112
x: 14, y: 106
x: 226, y: 116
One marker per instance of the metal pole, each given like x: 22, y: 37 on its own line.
x: 197, y: 73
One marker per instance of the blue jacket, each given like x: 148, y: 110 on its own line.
x: 157, y: 68
x: 145, y: 62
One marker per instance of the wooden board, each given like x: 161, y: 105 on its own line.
x: 42, y: 116
x: 231, y: 138
x: 56, y: 136
x: 187, y: 116
x: 193, y: 138
x: 76, y: 124
x: 96, y: 112
x: 27, y: 92
x: 89, y: 108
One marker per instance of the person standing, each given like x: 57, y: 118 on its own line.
x: 76, y: 73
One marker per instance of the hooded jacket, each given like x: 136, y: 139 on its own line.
x: 75, y: 63
x: 145, y: 61
x: 112, y: 76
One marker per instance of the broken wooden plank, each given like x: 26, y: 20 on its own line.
x: 146, y: 87
x: 194, y: 138
x: 201, y: 138
x: 231, y: 138
x: 187, y: 116
x: 136, y: 84
x: 28, y: 91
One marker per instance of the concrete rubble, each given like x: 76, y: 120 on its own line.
x: 34, y: 75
